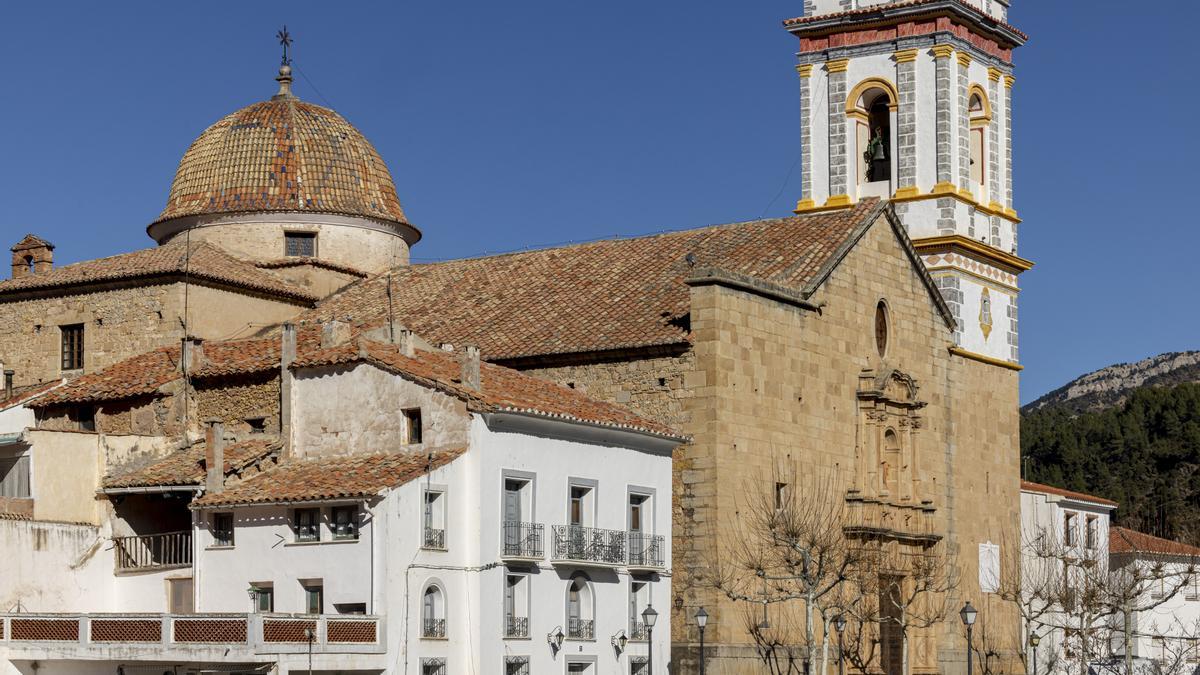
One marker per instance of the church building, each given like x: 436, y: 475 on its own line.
x: 867, y: 344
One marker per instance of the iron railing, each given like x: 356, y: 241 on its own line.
x: 153, y: 551
x: 435, y: 538
x: 434, y: 628
x: 516, y: 626
x: 581, y: 629
x: 523, y: 540
x: 589, y: 544
x: 637, y: 630
x: 645, y: 550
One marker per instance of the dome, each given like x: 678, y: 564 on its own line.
x: 283, y: 155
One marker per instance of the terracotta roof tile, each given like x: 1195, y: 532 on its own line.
x: 501, y: 389
x: 349, y: 477
x: 1124, y: 540
x: 27, y: 393
x: 606, y: 295
x: 876, y: 8
x: 207, y: 263
x: 186, y: 467
x: 1050, y: 489
x: 299, y: 261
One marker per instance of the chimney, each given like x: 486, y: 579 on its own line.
x: 470, y: 367
x: 192, y: 356
x: 32, y: 255
x: 407, y: 342
x: 287, y: 354
x: 214, y: 456
x: 334, y: 333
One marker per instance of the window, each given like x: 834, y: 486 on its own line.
x: 412, y: 426
x: 300, y: 244
x: 580, y: 505
x: 85, y: 417
x: 433, y: 613
x: 580, y: 625
x: 516, y: 665
x: 307, y: 523
x: 780, y: 496
x: 257, y: 425
x: 889, y: 468
x: 434, y: 520
x: 314, y: 596
x: 179, y: 596
x: 8, y: 380
x: 351, y: 608
x: 638, y: 665
x: 869, y: 109
x: 433, y: 666
x: 14, y: 477
x: 72, y: 346
x: 578, y: 668
x: 881, y: 329
x: 639, y: 600
x: 1190, y: 591
x: 222, y: 529
x: 264, y: 596
x: 1092, y: 536
x: 1069, y: 529
x: 516, y: 606
x: 344, y: 522
x: 980, y: 115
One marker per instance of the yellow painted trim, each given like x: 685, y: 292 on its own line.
x: 949, y: 190
x: 907, y: 192
x: 838, y: 201
x: 906, y: 56
x: 1009, y: 80
x: 804, y: 70
x: 986, y: 115
x: 991, y: 361
x: 994, y: 74
x: 964, y: 59
x: 838, y: 66
x: 995, y: 207
x: 867, y: 85
x: 804, y: 205
x: 858, y: 115
x: 942, y: 51
x: 832, y: 204
x: 977, y: 247
x: 968, y: 195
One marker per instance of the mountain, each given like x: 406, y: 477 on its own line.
x: 1111, y: 386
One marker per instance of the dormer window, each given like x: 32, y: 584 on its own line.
x: 300, y: 244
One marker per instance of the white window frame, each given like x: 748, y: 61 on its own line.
x: 591, y: 501
x: 527, y: 581
x: 649, y: 507
x: 442, y: 509
x: 27, y: 455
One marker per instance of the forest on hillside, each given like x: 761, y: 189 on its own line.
x: 1143, y: 454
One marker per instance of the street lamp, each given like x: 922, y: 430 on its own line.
x: 968, y: 614
x: 839, y: 624
x: 253, y: 593
x: 701, y: 621
x: 1034, y: 640
x: 649, y: 616
x: 619, y: 641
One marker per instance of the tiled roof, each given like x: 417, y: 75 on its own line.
x: 299, y: 261
x: 876, y: 8
x: 1079, y: 496
x: 31, y: 241
x: 1124, y: 540
x: 283, y: 155
x: 22, y: 395
x: 349, y: 477
x: 606, y: 295
x: 501, y: 389
x: 187, y: 467
x: 207, y: 263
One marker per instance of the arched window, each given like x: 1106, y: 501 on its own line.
x: 870, y: 106
x: 433, y: 613
x: 889, y: 469
x: 29, y: 263
x: 580, y: 608
x: 980, y: 113
x: 881, y: 328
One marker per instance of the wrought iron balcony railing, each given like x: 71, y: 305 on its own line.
x: 153, y: 551
x: 581, y: 629
x: 516, y: 626
x: 645, y: 550
x: 589, y: 544
x: 434, y: 628
x: 435, y: 538
x: 523, y: 540
x: 637, y: 630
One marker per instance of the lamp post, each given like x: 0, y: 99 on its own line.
x: 649, y: 616
x: 968, y: 614
x: 839, y: 624
x: 1034, y: 639
x: 701, y: 621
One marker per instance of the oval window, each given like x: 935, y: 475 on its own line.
x: 881, y: 328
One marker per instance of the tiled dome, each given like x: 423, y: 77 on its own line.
x: 283, y: 155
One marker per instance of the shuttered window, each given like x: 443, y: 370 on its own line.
x: 14, y: 477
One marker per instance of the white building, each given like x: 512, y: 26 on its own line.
x: 424, y: 513
x: 1164, y: 627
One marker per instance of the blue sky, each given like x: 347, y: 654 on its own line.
x: 539, y: 122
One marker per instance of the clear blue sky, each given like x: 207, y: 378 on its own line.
x: 537, y: 122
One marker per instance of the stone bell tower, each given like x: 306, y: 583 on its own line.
x: 912, y: 101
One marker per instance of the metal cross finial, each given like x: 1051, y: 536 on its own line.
x: 285, y: 39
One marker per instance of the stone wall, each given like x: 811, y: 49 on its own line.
x: 234, y: 400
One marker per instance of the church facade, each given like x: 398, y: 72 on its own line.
x: 867, y: 342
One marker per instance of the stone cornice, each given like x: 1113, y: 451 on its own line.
x: 979, y: 249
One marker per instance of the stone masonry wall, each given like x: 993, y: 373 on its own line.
x: 233, y: 400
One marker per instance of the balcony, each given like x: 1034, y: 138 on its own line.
x: 581, y: 629
x: 516, y: 627
x: 637, y: 630
x: 645, y: 552
x: 522, y: 542
x: 435, y: 539
x: 873, y: 519
x: 434, y: 629
x: 153, y: 551
x: 588, y: 546
x: 186, y: 636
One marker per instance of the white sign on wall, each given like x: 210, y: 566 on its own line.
x: 989, y: 567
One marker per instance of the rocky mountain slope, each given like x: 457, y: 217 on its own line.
x: 1111, y: 386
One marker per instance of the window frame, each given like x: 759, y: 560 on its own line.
x: 264, y: 589
x: 1070, y: 531
x: 590, y: 505
x: 311, y: 587
x: 23, y: 458
x: 527, y: 582
x: 440, y: 512
x: 72, y: 342
x: 299, y: 235
x: 355, y: 515
x: 217, y: 541
x: 413, y: 420
x: 316, y: 525
x: 441, y: 602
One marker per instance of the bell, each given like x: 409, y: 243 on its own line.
x: 879, y: 151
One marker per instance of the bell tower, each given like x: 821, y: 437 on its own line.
x: 911, y: 100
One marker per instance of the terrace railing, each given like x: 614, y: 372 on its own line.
x: 153, y: 551
x: 575, y: 543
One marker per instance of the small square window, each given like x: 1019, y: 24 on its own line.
x: 300, y: 244
x: 345, y: 522
x: 314, y: 597
x: 264, y: 596
x: 85, y: 417
x: 433, y: 666
x: 412, y: 426
x: 222, y: 529
x: 72, y: 346
x: 307, y: 523
x: 516, y: 665
x: 258, y: 425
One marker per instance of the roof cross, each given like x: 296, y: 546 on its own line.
x: 285, y: 40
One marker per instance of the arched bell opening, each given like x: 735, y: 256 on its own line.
x: 871, y: 108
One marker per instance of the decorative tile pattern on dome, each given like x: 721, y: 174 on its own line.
x: 283, y: 155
